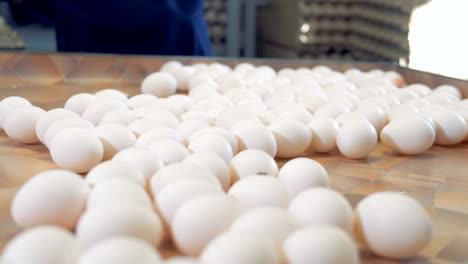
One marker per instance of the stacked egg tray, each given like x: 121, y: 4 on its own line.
x: 368, y: 30
x: 417, y: 188
x: 217, y: 19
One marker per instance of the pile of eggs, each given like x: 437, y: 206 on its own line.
x: 197, y: 168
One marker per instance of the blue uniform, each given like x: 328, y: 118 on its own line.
x: 166, y: 27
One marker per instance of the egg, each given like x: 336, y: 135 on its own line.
x: 76, y: 149
x: 160, y: 84
x: 10, y: 103
x: 273, y: 223
x: 190, y: 127
x: 117, y: 190
x: 159, y: 133
x: 99, y: 107
x: 122, y: 250
x: 226, y: 134
x: 299, y: 114
x: 201, y: 219
x: 167, y: 105
x: 300, y: 174
x: 320, y: 244
x: 206, y: 117
x: 112, y: 169
x: 256, y: 191
x: 375, y: 115
x: 392, y: 225
x: 121, y: 116
x: 111, y: 93
x: 79, y: 102
x: 214, y: 164
x: 323, y: 132
x: 449, y: 89
x: 162, y: 118
x: 232, y: 115
x: 49, y: 118
x: 213, y: 144
x: 176, y: 193
x: 59, y: 125
x: 171, y: 66
x: 420, y: 89
x: 182, y: 100
x: 400, y: 110
x: 182, y: 76
x: 141, y: 100
x: 321, y: 206
x: 331, y: 110
x: 143, y: 159
x: 292, y: 137
x: 254, y: 135
x: 349, y: 117
x: 180, y: 171
x: 451, y: 128
x: 114, y: 138
x: 20, y: 124
x: 251, y: 162
x: 42, y: 245
x: 109, y: 221
x: 238, y: 247
x: 169, y: 151
x: 55, y: 197
x: 356, y: 139
x: 410, y: 135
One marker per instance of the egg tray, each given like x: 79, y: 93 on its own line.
x: 436, y: 178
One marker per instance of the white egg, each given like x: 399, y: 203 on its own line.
x: 42, y: 245
x: 143, y: 159
x: 190, y: 127
x: 10, y: 103
x: 160, y: 84
x: 375, y: 115
x: 449, y: 89
x: 49, y: 118
x: 331, y: 110
x: 232, y: 115
x: 115, y: 220
x: 451, y: 128
x: 176, y: 193
x: 20, y: 124
x: 112, y: 169
x: 226, y: 134
x: 141, y: 100
x: 393, y: 225
x: 142, y: 125
x: 114, y: 138
x: 273, y: 223
x: 399, y: 111
x: 117, y: 190
x: 349, y: 117
x: 169, y: 151
x: 111, y: 93
x: 257, y: 191
x: 79, y: 102
x: 321, y: 206
x: 171, y: 66
x: 239, y: 247
x: 76, y: 149
x: 251, y: 162
x: 201, y: 219
x: 299, y: 113
x: 182, y: 100
x: 99, y: 107
x: 356, y: 139
x: 122, y: 250
x: 254, y: 135
x: 55, y: 197
x: 409, y: 135
x: 321, y: 244
x: 421, y: 89
x: 292, y: 137
x: 312, y: 100
x: 162, y: 118
x: 323, y: 131
x: 213, y: 144
x: 180, y: 171
x: 159, y: 133
x: 403, y: 95
x: 167, y: 105
x: 216, y: 165
x: 59, y: 125
x: 120, y: 116
x: 206, y: 117
x: 300, y: 174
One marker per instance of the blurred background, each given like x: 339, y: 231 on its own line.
x: 429, y: 35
